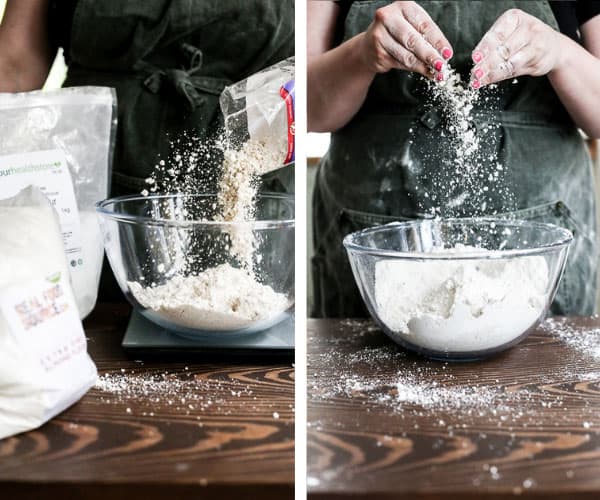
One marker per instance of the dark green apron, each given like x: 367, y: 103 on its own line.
x: 379, y: 166
x: 169, y: 61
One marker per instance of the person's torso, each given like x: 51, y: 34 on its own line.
x: 392, y: 157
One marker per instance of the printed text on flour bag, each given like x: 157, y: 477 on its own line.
x: 43, y: 319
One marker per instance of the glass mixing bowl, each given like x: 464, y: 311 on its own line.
x: 469, y: 303
x: 155, y: 242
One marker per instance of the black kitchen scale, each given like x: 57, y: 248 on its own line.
x: 145, y: 339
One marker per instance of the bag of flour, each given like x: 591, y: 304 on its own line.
x: 261, y: 109
x: 62, y: 141
x: 44, y: 365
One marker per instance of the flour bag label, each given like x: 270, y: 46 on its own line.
x: 44, y: 321
x: 48, y: 171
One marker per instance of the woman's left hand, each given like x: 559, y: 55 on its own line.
x: 517, y: 44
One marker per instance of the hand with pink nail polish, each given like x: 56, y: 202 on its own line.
x: 517, y: 44
x: 403, y: 36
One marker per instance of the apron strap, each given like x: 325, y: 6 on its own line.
x: 185, y: 82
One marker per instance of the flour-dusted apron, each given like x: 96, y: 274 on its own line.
x: 169, y: 61
x: 379, y: 167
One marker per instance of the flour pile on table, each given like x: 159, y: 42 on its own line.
x: 461, y: 305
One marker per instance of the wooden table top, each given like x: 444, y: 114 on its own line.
x: 220, y: 429
x: 383, y: 423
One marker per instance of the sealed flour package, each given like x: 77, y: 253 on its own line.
x: 260, y: 110
x: 44, y: 365
x: 62, y: 141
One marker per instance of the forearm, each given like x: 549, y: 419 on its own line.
x: 576, y: 80
x: 338, y: 81
x: 25, y: 53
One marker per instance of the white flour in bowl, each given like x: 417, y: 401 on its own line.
x: 461, y: 305
x: 225, y: 297
x: 222, y: 298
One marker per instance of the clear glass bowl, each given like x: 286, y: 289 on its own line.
x: 465, y: 305
x: 152, y: 240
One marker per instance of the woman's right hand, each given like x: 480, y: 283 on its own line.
x: 403, y: 36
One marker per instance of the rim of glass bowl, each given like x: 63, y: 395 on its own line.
x: 565, y: 240
x: 102, y: 208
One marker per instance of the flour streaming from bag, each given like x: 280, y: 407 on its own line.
x: 238, y: 188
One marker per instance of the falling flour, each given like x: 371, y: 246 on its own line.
x: 457, y: 170
x: 239, y: 182
x: 461, y: 305
x: 457, y: 102
x: 238, y: 188
x: 220, y: 298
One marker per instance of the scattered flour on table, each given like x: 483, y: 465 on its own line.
x: 583, y: 340
x: 412, y: 388
x: 461, y: 305
x: 449, y: 406
x: 151, y: 392
x: 220, y: 298
x: 353, y: 366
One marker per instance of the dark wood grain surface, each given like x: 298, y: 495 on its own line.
x: 160, y: 430
x: 386, y: 424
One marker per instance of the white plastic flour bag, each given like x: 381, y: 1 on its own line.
x: 62, y: 141
x: 261, y: 108
x: 44, y: 365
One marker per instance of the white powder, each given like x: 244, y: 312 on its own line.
x: 238, y: 188
x: 222, y: 298
x: 461, y: 305
x: 458, y: 101
x: 585, y: 340
x: 466, y: 177
x: 239, y: 181
x: 22, y: 258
